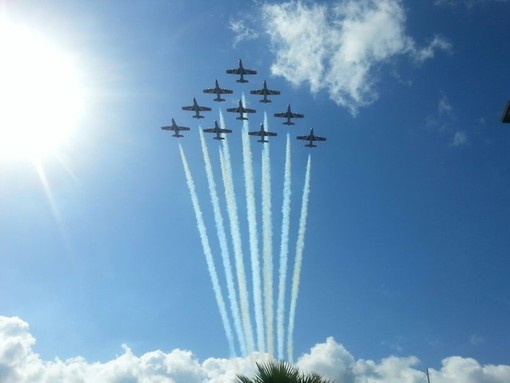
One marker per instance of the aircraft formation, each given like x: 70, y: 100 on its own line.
x: 242, y: 110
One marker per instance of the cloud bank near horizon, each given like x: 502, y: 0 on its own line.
x: 338, y: 47
x: 20, y: 364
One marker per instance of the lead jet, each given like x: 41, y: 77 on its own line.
x: 196, y: 108
x: 218, y: 91
x: 311, y: 138
x: 241, y: 110
x: 241, y: 71
x: 262, y: 133
x: 265, y: 92
x: 288, y: 115
x: 218, y: 131
x: 175, y: 128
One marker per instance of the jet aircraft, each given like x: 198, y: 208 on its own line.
x: 241, y: 110
x: 265, y: 92
x: 175, y: 128
x: 218, y: 131
x: 311, y: 138
x: 288, y: 115
x: 197, y: 109
x: 241, y: 71
x: 218, y: 91
x: 262, y: 133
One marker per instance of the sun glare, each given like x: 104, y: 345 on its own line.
x: 39, y: 95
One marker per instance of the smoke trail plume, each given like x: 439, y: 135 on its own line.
x: 208, y: 254
x: 222, y: 239
x: 284, y: 250
x: 252, y: 230
x: 267, y: 230
x: 300, y: 245
x: 226, y: 168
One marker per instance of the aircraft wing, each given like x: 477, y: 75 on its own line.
x: 296, y: 115
x: 311, y: 138
x: 175, y: 128
x: 218, y: 91
x: 214, y: 130
x: 262, y: 133
x: 281, y: 114
x: 197, y: 108
x: 268, y: 92
x: 241, y: 71
x: 241, y: 110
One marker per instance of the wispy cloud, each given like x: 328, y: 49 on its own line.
x: 443, y: 120
x: 459, y: 139
x: 441, y: 117
x: 20, y: 364
x: 475, y: 339
x: 338, y: 47
x: 242, y: 32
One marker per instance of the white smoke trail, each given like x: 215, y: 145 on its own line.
x: 222, y: 238
x: 208, y: 254
x: 267, y: 246
x: 226, y: 168
x: 284, y: 250
x: 252, y: 230
x: 300, y: 245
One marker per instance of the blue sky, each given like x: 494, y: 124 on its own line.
x: 408, y: 241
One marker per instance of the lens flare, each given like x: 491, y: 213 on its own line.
x: 39, y: 94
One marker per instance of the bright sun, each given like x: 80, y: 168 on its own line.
x: 39, y: 95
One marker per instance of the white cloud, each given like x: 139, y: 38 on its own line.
x: 428, y: 52
x: 241, y: 31
x: 459, y: 139
x: 444, y: 107
x: 475, y: 339
x: 467, y: 370
x: 443, y: 120
x: 20, y: 364
x: 442, y: 117
x: 338, y: 47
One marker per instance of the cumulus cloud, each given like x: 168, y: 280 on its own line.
x: 338, y: 47
x: 20, y: 364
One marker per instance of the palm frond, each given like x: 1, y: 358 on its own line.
x: 280, y: 372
